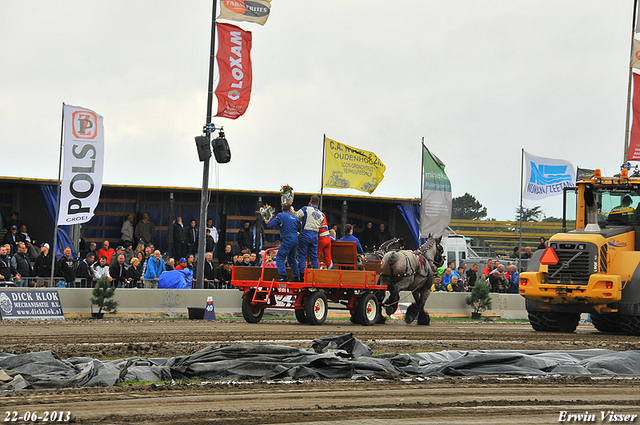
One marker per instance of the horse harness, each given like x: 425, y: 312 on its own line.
x: 425, y: 262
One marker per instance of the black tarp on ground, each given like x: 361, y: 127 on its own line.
x: 330, y: 357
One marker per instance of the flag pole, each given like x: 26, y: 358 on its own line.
x: 520, y: 218
x: 421, y: 189
x: 324, y: 150
x: 55, y: 220
x: 204, y: 194
x: 629, y: 99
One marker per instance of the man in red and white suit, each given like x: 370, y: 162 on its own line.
x: 324, y: 243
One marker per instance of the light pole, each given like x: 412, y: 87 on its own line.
x: 204, y: 194
x: 220, y: 150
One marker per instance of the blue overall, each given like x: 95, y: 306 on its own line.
x: 308, y: 244
x: 287, y: 224
x: 312, y: 218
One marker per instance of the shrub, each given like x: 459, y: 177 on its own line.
x: 103, y: 296
x: 479, y: 298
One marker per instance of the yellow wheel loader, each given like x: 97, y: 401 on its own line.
x: 593, y: 269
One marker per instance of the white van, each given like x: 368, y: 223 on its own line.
x: 458, y: 250
x: 455, y: 249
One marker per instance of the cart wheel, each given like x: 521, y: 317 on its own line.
x: 301, y: 316
x: 368, y: 309
x: 251, y: 313
x: 315, y: 308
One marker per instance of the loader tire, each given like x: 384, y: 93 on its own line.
x: 630, y: 325
x: 608, y: 322
x: 551, y: 321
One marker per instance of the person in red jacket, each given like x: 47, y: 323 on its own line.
x: 324, y: 243
x: 182, y: 264
x: 105, y: 251
x: 487, y: 270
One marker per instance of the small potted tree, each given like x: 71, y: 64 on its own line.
x: 479, y: 299
x: 103, y: 298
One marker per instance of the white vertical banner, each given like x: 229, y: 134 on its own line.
x: 83, y: 161
x: 546, y: 176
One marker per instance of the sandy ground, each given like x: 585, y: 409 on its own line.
x: 383, y: 400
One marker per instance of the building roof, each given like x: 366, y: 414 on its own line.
x: 29, y: 180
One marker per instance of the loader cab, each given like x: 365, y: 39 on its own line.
x: 605, y: 206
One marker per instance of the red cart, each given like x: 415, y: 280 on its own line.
x: 351, y: 287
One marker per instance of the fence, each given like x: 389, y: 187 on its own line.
x: 500, y: 237
x: 58, y: 282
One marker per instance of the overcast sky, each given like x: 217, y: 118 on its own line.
x: 479, y: 80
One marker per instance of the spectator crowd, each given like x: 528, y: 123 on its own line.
x: 501, y: 278
x: 136, y: 263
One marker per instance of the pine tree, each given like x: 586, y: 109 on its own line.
x: 479, y: 298
x: 103, y: 296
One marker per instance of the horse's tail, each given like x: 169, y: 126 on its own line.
x: 392, y: 258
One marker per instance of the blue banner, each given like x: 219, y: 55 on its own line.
x: 546, y: 176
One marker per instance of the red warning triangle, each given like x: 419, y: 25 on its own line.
x: 549, y: 257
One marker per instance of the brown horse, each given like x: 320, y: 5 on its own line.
x: 411, y: 271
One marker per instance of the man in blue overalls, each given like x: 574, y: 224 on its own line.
x: 287, y: 224
x: 312, y: 219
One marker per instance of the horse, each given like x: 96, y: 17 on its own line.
x: 411, y: 271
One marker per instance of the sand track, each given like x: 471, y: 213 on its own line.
x: 378, y: 401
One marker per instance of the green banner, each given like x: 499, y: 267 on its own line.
x: 435, y: 205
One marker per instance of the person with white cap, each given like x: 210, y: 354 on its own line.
x: 42, y: 265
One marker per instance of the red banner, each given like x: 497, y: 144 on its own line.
x: 634, y: 141
x: 234, y: 64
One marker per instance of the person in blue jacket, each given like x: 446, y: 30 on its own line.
x: 155, y: 267
x: 287, y: 225
x: 348, y: 231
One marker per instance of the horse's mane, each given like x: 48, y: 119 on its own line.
x: 426, y: 245
x: 386, y: 247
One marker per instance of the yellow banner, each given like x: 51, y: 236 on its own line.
x: 346, y: 166
x: 245, y: 10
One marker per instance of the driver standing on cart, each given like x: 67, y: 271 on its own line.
x: 287, y: 224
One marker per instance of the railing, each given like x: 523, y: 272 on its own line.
x: 57, y: 282
x: 501, y: 236
x: 44, y: 282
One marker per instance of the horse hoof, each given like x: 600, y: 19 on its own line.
x: 424, y: 319
x: 411, y: 314
x: 390, y: 309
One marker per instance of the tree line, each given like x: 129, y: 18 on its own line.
x: 467, y: 207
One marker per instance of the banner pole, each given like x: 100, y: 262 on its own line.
x: 421, y: 189
x: 521, y: 189
x: 204, y: 194
x: 625, y: 157
x: 55, y: 220
x: 324, y: 149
